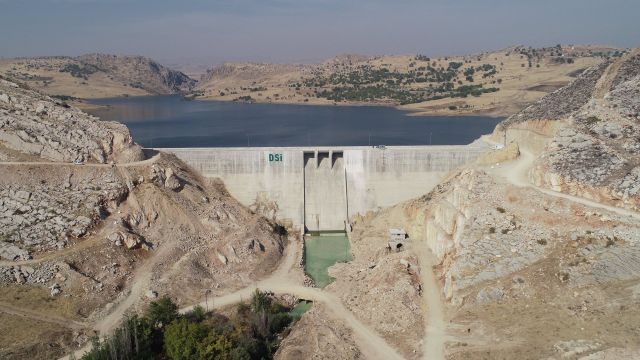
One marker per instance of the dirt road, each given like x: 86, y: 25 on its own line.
x: 148, y: 161
x: 282, y: 281
x: 435, y: 328
x: 517, y: 173
x: 372, y: 345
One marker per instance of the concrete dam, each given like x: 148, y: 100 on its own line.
x: 319, y: 188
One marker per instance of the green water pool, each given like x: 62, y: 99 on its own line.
x: 302, y: 307
x: 322, y: 251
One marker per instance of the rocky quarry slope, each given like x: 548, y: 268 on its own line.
x: 80, y: 245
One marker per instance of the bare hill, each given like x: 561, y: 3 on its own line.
x: 495, y: 83
x: 97, y: 75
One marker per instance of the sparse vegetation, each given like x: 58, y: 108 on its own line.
x: 592, y: 120
x: 368, y: 83
x: 253, y: 332
x: 245, y: 98
x: 80, y: 71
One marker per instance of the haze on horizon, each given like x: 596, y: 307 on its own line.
x: 208, y: 32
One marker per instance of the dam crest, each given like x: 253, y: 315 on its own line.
x: 319, y: 188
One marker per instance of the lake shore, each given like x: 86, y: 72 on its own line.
x: 172, y: 121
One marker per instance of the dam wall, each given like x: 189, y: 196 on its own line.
x: 319, y: 188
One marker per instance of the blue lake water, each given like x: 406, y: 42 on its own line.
x: 171, y: 121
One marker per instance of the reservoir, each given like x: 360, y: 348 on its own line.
x: 173, y: 122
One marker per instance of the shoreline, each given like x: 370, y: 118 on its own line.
x: 86, y: 104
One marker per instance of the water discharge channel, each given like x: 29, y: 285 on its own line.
x: 321, y: 251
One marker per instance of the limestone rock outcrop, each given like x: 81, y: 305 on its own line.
x: 596, y: 154
x: 46, y: 212
x: 35, y: 127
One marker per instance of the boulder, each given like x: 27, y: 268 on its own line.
x: 171, y: 180
x: 55, y: 289
x: 12, y: 252
x: 115, y: 237
x: 132, y: 241
x: 22, y: 196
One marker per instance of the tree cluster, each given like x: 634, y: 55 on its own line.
x: 253, y: 332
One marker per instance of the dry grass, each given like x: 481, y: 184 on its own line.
x: 518, y: 85
x: 17, y: 336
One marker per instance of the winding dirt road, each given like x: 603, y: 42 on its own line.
x: 282, y: 281
x: 517, y: 173
x: 372, y: 345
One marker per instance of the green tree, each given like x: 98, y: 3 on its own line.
x: 217, y: 346
x: 133, y: 339
x: 182, y: 339
x: 162, y: 312
x: 197, y: 314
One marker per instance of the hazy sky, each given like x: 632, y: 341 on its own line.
x: 306, y: 30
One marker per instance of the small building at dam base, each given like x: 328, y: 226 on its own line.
x: 319, y: 188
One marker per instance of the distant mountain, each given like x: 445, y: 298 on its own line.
x: 97, y: 75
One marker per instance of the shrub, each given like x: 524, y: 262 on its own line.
x: 501, y: 210
x: 182, y: 339
x: 197, y: 314
x: 592, y: 120
x: 162, y: 312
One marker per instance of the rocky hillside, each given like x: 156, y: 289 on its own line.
x: 498, y: 83
x: 36, y: 127
x: 595, y: 152
x: 536, y: 245
x: 81, y: 245
x: 97, y: 75
x: 140, y: 71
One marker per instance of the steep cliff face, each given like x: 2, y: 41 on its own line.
x: 34, y: 126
